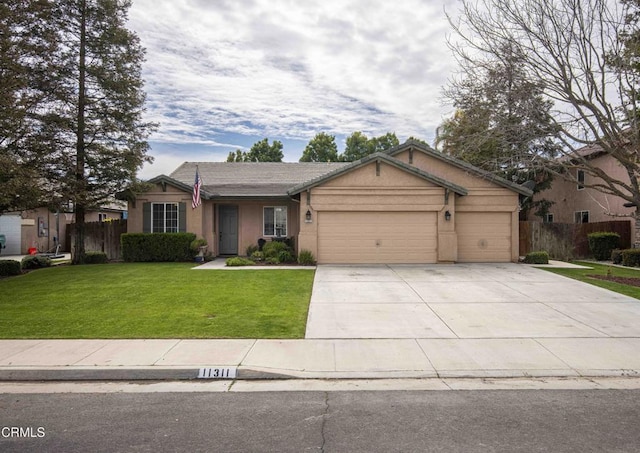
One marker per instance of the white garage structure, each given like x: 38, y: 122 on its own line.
x: 11, y: 228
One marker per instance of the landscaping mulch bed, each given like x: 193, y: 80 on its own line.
x: 622, y: 280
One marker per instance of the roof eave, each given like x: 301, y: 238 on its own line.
x: 380, y: 157
x: 460, y: 164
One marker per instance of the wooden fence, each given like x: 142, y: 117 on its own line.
x: 566, y: 241
x: 101, y: 237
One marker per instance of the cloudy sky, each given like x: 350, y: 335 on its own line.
x: 223, y: 74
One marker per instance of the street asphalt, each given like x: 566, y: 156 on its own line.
x: 389, y: 321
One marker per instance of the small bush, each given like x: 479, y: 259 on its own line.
x: 238, y: 261
x: 157, y: 247
x: 257, y: 256
x: 616, y: 256
x: 35, y: 262
x: 251, y: 249
x: 631, y: 257
x: 541, y: 257
x: 285, y: 256
x: 196, y: 244
x: 602, y: 243
x: 9, y: 268
x: 95, y: 258
x: 272, y: 260
x: 273, y: 248
x: 306, y: 258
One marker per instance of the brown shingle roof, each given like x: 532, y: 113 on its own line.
x: 246, y: 179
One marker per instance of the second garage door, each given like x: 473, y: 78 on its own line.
x: 484, y: 236
x: 377, y: 237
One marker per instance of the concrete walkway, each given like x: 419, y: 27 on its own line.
x: 497, y: 320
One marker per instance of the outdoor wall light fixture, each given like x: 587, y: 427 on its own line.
x: 447, y: 216
x: 307, y: 216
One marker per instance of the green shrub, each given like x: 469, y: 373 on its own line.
x: 541, y: 257
x: 35, y: 262
x: 251, y: 249
x: 285, y: 256
x: 238, y: 261
x: 272, y: 260
x: 631, y: 257
x: 616, y: 256
x: 273, y: 248
x: 602, y: 243
x: 9, y: 268
x: 196, y: 244
x: 257, y: 256
x: 157, y: 247
x: 306, y: 258
x: 95, y: 258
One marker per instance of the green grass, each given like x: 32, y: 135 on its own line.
x: 154, y: 300
x: 601, y: 269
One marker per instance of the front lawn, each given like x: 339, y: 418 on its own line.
x: 154, y: 300
x: 602, y: 269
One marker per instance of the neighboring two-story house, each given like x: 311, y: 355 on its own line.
x: 574, y: 202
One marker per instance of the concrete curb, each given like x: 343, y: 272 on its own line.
x: 41, y: 374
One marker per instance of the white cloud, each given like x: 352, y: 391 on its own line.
x: 283, y: 69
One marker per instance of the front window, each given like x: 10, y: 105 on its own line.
x: 580, y: 179
x: 275, y: 221
x: 581, y: 217
x: 548, y: 218
x: 164, y: 218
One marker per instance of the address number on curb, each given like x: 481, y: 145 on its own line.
x: 217, y: 373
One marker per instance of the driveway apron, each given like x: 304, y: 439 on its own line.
x: 463, y: 301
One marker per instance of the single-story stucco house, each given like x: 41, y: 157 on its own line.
x: 411, y: 204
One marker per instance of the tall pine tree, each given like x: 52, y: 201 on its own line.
x: 98, y: 133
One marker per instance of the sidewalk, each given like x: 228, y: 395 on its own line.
x: 342, y: 359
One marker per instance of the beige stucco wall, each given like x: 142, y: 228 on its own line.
x: 251, y: 218
x: 366, y: 190
x: 394, y: 189
x: 204, y: 220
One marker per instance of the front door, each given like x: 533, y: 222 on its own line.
x: 228, y: 230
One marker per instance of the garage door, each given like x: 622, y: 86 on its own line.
x: 10, y: 227
x: 377, y: 237
x: 484, y: 236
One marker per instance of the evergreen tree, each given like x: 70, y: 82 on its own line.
x: 27, y: 42
x: 98, y: 136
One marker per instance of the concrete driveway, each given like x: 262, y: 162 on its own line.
x: 464, y: 301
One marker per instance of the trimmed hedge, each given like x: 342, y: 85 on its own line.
x: 157, y: 247
x: 541, y: 257
x: 631, y: 257
x: 95, y: 258
x: 9, y: 268
x: 238, y: 261
x: 35, y: 262
x: 602, y: 243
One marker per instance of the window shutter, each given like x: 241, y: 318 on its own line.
x: 182, y: 217
x: 146, y: 217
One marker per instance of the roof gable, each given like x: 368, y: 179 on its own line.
x: 426, y: 149
x: 380, y: 157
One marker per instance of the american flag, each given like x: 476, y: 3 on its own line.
x: 196, y: 200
